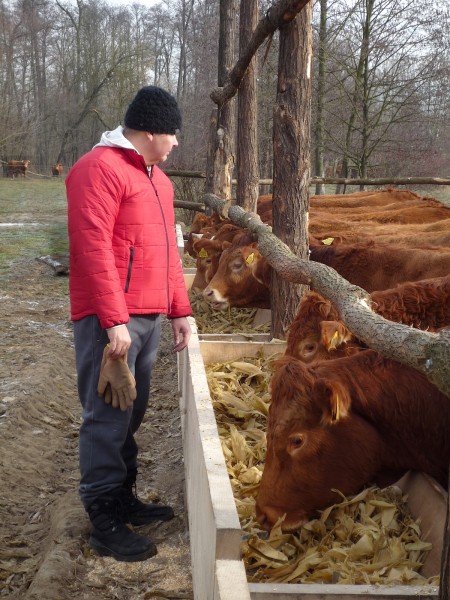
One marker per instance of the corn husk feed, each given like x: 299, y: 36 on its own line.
x: 233, y: 320
x: 369, y: 538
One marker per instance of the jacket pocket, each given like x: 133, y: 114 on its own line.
x: 130, y: 268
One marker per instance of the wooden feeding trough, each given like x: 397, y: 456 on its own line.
x: 189, y: 276
x: 215, y: 532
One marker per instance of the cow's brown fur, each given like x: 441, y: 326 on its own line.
x: 341, y: 424
x: 199, y: 223
x: 317, y: 333
x: 375, y: 266
x: 57, y: 169
x: 369, y: 265
x: 242, y: 279
x: 17, y: 167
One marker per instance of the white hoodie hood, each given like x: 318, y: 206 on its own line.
x: 115, y: 139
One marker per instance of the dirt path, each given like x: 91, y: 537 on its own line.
x: 43, y: 529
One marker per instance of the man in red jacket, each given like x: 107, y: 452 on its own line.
x: 125, y: 272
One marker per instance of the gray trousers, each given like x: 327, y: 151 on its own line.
x: 108, y: 450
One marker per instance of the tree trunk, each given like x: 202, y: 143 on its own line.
x: 319, y: 130
x: 222, y: 146
x: 365, y: 96
x: 292, y: 168
x: 247, y: 190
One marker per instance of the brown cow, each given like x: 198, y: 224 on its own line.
x: 317, y: 333
x: 57, y: 169
x: 209, y: 250
x: 406, y: 214
x: 325, y: 225
x: 416, y: 237
x: 242, y: 279
x: 374, y: 266
x: 17, y: 167
x: 204, y: 224
x: 341, y: 424
x: 371, y: 198
x: 200, y: 222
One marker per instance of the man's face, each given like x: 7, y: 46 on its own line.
x: 158, y: 147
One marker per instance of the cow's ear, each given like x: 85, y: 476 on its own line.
x: 196, y: 241
x: 323, y: 306
x: 333, y: 399
x: 198, y: 246
x: 334, y: 334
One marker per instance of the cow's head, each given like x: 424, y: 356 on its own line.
x: 316, y: 333
x: 315, y: 446
x: 204, y: 225
x: 208, y: 253
x: 241, y: 280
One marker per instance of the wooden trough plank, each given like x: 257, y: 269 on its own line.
x: 180, y: 240
x: 214, y: 526
x: 223, y: 351
x: 231, y: 581
x: 288, y: 591
x: 189, y: 276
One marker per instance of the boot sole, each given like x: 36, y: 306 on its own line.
x: 105, y: 551
x: 150, y: 520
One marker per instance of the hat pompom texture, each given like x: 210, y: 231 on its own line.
x: 153, y: 110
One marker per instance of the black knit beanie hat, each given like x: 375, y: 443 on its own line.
x: 153, y: 110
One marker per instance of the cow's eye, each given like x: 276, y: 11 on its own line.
x: 308, y: 350
x: 295, y: 442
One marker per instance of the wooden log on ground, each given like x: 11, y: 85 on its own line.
x: 59, y: 265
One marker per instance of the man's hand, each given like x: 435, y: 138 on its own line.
x: 181, y: 333
x: 116, y: 383
x: 119, y: 341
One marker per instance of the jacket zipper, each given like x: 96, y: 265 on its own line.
x: 130, y: 266
x: 167, y: 244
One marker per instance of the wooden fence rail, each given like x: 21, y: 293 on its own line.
x: 200, y: 207
x: 336, y: 180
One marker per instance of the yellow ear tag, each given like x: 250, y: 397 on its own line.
x: 250, y: 258
x: 328, y: 241
x: 203, y: 253
x: 335, y: 411
x: 334, y: 340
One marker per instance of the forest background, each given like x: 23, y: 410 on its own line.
x: 381, y: 80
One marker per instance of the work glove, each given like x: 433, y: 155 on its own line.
x: 116, y: 383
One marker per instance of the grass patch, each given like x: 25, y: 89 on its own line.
x: 34, y: 218
x: 32, y: 200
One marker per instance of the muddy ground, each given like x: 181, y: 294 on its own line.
x: 44, y: 554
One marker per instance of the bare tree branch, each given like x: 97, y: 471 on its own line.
x: 278, y: 15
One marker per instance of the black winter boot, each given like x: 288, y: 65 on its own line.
x: 137, y: 512
x: 111, y: 537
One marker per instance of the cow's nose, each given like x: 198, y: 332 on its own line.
x: 263, y: 519
x: 207, y: 293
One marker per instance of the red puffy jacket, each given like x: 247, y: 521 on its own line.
x: 123, y: 252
